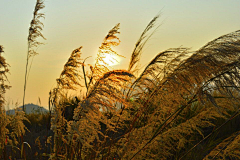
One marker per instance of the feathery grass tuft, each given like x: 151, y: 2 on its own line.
x: 70, y: 76
x: 105, y: 50
x: 145, y: 36
x: 35, y: 29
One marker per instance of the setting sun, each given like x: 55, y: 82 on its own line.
x: 110, y: 60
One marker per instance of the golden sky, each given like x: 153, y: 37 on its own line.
x: 74, y: 23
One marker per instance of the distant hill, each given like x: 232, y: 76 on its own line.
x: 29, y: 108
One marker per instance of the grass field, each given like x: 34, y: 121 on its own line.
x: 183, y: 105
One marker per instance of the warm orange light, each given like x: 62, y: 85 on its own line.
x: 109, y: 59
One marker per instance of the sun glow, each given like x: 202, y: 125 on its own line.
x: 110, y: 60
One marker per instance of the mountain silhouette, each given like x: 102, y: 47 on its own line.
x: 29, y: 108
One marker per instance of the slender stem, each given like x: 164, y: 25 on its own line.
x: 85, y: 78
x: 55, y: 138
x: 84, y: 74
x: 25, y: 80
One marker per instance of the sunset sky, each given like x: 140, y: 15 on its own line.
x: 73, y: 23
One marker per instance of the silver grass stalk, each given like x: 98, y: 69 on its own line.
x: 36, y: 26
x: 101, y: 66
x: 212, y: 69
x: 70, y: 76
x: 69, y: 80
x: 145, y: 36
x: 4, y: 119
